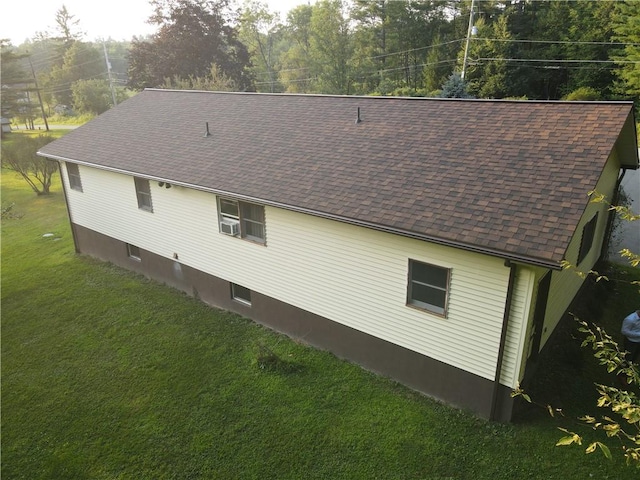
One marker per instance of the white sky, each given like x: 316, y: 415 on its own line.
x: 116, y: 19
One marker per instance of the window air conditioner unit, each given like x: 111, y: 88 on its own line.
x: 230, y: 227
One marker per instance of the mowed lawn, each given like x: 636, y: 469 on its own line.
x: 107, y: 375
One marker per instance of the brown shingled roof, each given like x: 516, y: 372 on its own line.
x: 497, y: 176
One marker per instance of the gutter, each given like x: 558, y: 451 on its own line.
x: 503, y: 339
x: 360, y: 223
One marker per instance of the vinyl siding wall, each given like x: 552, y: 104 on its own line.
x: 351, y: 275
x: 522, y: 302
x: 565, y: 284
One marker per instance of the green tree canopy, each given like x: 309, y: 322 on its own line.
x: 82, y: 61
x: 14, y: 79
x: 92, y: 96
x: 260, y: 30
x: 455, y: 87
x: 21, y: 157
x: 627, y: 30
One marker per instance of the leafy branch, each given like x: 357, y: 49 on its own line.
x: 622, y: 420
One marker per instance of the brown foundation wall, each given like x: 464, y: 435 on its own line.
x: 431, y: 377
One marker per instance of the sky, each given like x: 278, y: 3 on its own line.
x: 116, y: 19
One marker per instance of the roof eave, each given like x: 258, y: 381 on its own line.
x: 534, y: 261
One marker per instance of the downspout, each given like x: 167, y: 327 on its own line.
x: 66, y: 202
x: 503, y: 338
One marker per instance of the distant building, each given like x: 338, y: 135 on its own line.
x: 5, y: 124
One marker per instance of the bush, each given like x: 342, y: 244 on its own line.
x: 582, y: 94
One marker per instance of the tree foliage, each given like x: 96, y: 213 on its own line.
x: 216, y: 81
x: 81, y: 61
x: 296, y: 63
x: 455, y: 87
x: 621, y: 403
x: 13, y: 79
x: 93, y: 96
x: 192, y: 35
x: 20, y: 156
x: 539, y: 49
x: 627, y: 29
x: 330, y: 47
x: 67, y: 26
x: 260, y: 30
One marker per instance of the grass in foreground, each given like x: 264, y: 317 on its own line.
x: 107, y: 375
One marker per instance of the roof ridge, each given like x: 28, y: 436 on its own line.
x: 389, y: 97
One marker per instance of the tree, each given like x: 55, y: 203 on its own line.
x: 20, y: 156
x: 621, y: 403
x: 627, y: 29
x: 215, y: 81
x: 437, y: 68
x: 295, y: 63
x: 331, y: 46
x: 259, y: 31
x: 92, y: 96
x: 13, y: 79
x: 455, y: 87
x: 489, y: 78
x: 82, y: 61
x: 370, y: 44
x: 67, y: 26
x: 583, y: 93
x: 192, y: 35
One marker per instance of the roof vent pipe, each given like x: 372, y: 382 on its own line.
x: 206, y: 132
x: 358, y: 119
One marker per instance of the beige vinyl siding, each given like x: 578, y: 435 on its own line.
x: 517, y: 329
x: 351, y: 275
x: 565, y: 284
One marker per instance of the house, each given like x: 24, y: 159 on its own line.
x: 420, y: 238
x: 5, y: 125
x: 63, y: 110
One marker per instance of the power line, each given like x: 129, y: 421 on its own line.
x: 570, y: 42
x: 551, y: 60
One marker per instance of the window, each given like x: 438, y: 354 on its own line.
x: 73, y: 172
x: 242, y: 219
x: 241, y: 294
x: 588, y: 233
x: 133, y: 252
x: 143, y: 192
x: 428, y: 287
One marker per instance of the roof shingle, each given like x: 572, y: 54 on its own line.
x: 503, y: 176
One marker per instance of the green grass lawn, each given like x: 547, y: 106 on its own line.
x: 107, y: 375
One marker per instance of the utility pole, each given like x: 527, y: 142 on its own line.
x: 466, y: 47
x: 106, y: 59
x: 35, y: 80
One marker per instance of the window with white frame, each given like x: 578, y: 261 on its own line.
x: 241, y: 294
x: 143, y: 193
x: 428, y: 287
x: 73, y: 172
x: 241, y: 219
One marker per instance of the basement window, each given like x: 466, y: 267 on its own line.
x: 143, y: 193
x: 133, y: 252
x: 241, y: 219
x: 428, y: 287
x: 588, y: 234
x: 73, y: 172
x: 241, y: 294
